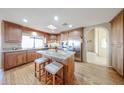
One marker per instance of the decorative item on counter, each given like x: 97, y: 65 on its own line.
x: 56, y: 48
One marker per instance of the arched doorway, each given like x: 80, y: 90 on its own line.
x: 97, y: 46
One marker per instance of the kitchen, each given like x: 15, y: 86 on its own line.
x: 18, y: 49
x: 49, y: 56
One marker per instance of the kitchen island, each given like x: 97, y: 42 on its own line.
x: 64, y: 57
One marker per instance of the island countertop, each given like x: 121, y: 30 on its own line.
x: 62, y: 55
x: 67, y: 59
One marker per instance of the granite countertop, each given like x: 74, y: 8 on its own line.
x: 59, y: 54
x: 10, y: 50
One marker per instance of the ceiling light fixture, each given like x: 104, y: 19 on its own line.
x: 70, y: 26
x: 24, y: 20
x: 52, y: 27
x: 56, y: 18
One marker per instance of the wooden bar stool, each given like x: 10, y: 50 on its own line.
x: 52, y: 69
x: 40, y: 63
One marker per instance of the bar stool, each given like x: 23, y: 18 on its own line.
x: 40, y: 62
x: 52, y: 69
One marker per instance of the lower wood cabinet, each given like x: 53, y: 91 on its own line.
x: 117, y: 58
x: 31, y: 55
x: 13, y: 59
x: 9, y: 60
x: 21, y: 58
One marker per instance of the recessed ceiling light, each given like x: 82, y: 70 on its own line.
x: 56, y: 18
x: 69, y: 26
x: 24, y: 20
x: 52, y: 27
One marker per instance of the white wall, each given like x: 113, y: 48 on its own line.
x: 102, y: 42
x: 107, y: 26
x: 91, y: 41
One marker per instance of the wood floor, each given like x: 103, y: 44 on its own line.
x: 91, y: 74
x: 85, y: 73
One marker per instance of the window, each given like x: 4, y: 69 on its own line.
x: 27, y: 42
x: 38, y: 42
x: 31, y: 42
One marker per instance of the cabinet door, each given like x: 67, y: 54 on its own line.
x: 117, y: 58
x: 47, y: 36
x: 64, y: 36
x: 58, y: 38
x: 117, y: 30
x: 114, y: 32
x: 114, y: 57
x: 53, y: 38
x: 10, y: 60
x: 117, y: 43
x: 120, y: 59
x: 31, y: 56
x: 21, y: 58
x: 13, y: 33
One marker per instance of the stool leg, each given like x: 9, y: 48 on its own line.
x: 43, y: 68
x: 35, y: 70
x: 45, y: 77
x: 54, y: 80
x: 39, y: 72
x: 62, y: 76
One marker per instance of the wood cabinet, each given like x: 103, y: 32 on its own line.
x: 75, y: 35
x: 51, y: 38
x: 13, y: 59
x: 47, y: 38
x: 31, y: 55
x: 117, y: 43
x: 58, y: 38
x: 64, y: 36
x: 21, y: 58
x: 9, y: 60
x: 13, y: 33
x: 117, y: 58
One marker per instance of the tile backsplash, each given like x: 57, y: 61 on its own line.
x: 8, y: 46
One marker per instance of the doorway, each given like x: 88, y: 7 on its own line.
x: 97, y: 46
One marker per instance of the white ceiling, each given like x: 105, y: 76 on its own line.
x: 40, y: 18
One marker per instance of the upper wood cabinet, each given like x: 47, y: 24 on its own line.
x: 117, y: 43
x: 117, y: 29
x: 51, y: 38
x: 64, y: 36
x: 47, y: 37
x: 76, y: 34
x: 71, y: 35
x: 58, y: 38
x: 13, y: 33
